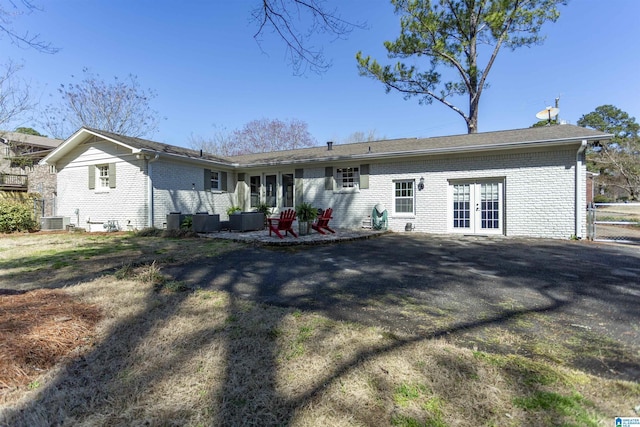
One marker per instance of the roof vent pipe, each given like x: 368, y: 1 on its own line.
x: 329, y: 145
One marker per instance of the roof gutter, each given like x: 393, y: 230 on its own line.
x: 146, y: 151
x: 476, y: 148
x: 148, y: 160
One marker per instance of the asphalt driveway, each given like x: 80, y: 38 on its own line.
x: 576, y: 303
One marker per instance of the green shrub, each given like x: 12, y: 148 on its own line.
x: 601, y: 198
x: 233, y: 209
x: 264, y: 208
x: 306, y: 212
x: 187, y: 223
x: 16, y: 216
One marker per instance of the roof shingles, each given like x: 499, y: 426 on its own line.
x: 464, y: 142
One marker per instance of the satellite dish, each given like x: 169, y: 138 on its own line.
x: 548, y: 113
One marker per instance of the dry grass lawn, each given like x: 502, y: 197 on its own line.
x: 39, y: 328
x: 162, y: 354
x: 626, y: 212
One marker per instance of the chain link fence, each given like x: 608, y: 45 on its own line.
x: 614, y: 222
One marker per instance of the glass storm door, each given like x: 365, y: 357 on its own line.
x: 255, y: 190
x: 271, y: 190
x: 287, y: 190
x: 477, y: 207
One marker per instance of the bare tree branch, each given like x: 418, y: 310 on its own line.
x: 15, y: 98
x: 9, y: 11
x: 296, y: 22
x: 220, y: 143
x: 265, y: 135
x: 121, y: 107
x: 257, y: 136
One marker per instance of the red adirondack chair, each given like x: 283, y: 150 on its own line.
x: 283, y: 223
x: 322, y: 222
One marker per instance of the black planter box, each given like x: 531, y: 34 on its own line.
x: 205, y: 223
x: 246, y: 221
x: 174, y: 220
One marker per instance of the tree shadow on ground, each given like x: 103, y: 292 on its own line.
x: 426, y: 288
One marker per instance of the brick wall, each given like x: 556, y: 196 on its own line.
x: 179, y: 187
x: 125, y: 203
x: 538, y: 188
x: 176, y: 187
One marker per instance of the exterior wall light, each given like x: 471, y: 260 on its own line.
x: 421, y: 184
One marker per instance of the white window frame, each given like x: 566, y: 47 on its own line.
x: 411, y: 197
x: 348, y: 178
x: 102, y: 177
x: 215, y: 180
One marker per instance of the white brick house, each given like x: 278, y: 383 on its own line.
x: 527, y: 182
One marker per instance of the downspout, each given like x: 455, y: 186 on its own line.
x: 579, y: 190
x: 150, y: 189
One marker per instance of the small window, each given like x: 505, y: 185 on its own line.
x: 52, y: 169
x: 103, y: 176
x: 348, y: 177
x: 403, y: 197
x: 215, y: 180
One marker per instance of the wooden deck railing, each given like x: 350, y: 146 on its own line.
x: 10, y: 181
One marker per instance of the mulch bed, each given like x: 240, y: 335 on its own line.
x: 38, y: 329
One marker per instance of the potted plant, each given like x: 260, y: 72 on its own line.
x: 233, y: 210
x: 306, y: 214
x: 187, y: 223
x: 264, y: 209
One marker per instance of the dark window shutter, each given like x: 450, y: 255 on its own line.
x: 328, y: 178
x: 207, y: 180
x: 364, y: 176
x: 112, y: 175
x: 223, y: 181
x: 92, y: 177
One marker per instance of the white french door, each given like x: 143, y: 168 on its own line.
x: 476, y: 207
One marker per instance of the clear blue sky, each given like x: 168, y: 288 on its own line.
x: 201, y: 59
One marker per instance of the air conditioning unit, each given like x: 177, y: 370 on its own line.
x: 54, y: 222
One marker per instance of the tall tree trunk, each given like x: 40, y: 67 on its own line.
x: 472, y: 120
